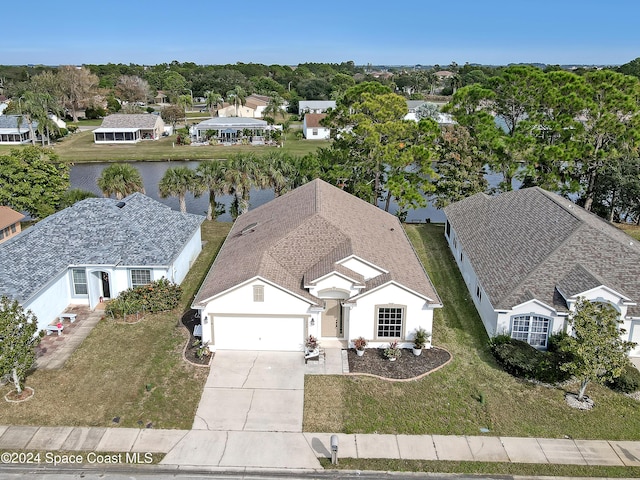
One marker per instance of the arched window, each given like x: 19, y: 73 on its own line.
x: 531, y: 328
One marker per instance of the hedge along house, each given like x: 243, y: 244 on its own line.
x: 94, y: 250
x: 527, y: 256
x: 315, y: 261
x: 129, y: 128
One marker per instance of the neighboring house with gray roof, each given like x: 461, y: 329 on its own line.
x: 94, y: 250
x: 315, y: 261
x: 315, y: 106
x: 129, y: 128
x: 527, y: 256
x: 14, y: 130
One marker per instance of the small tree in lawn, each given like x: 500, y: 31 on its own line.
x: 597, y: 351
x: 18, y: 339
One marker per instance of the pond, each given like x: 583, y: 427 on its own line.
x: 85, y: 175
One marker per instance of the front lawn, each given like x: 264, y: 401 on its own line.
x: 131, y: 371
x: 470, y: 393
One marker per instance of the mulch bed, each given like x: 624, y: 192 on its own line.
x: 405, y: 367
x: 190, y: 321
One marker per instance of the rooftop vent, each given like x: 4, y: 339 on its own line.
x: 248, y: 229
x: 120, y: 204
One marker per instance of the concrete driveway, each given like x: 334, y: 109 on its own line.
x: 253, y: 391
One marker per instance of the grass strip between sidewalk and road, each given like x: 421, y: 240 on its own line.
x: 471, y: 392
x: 481, y: 468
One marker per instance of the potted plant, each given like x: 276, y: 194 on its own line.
x: 419, y: 340
x: 311, y: 344
x: 360, y: 344
x: 393, y: 351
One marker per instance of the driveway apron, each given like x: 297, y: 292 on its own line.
x: 253, y: 391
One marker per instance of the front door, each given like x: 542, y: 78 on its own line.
x: 332, y: 319
x: 106, y: 291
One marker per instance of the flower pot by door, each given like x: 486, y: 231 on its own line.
x: 417, y: 351
x: 360, y: 352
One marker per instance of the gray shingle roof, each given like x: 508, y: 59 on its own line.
x: 11, y: 121
x: 93, y: 232
x: 133, y: 120
x: 529, y: 243
x: 301, y: 235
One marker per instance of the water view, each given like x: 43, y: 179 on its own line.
x: 85, y: 175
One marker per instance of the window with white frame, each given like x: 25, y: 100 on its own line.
x: 258, y: 293
x: 140, y: 277
x: 79, y: 281
x: 533, y: 329
x: 389, y: 322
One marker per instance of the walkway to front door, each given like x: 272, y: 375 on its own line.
x: 255, y: 391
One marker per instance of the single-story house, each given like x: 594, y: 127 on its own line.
x: 229, y: 110
x: 94, y: 250
x: 9, y: 223
x: 312, y: 129
x: 527, y: 256
x: 129, y: 128
x: 315, y: 106
x: 315, y: 261
x: 257, y: 103
x: 441, y: 118
x: 232, y: 130
x: 14, y: 129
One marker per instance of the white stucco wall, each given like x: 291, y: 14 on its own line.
x: 185, y: 259
x: 362, y: 318
x: 51, y: 301
x: 361, y: 267
x: 340, y: 287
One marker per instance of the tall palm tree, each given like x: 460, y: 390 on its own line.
x: 277, y: 172
x: 274, y: 107
x: 240, y: 174
x: 213, y: 99
x: 120, y: 179
x: 211, y: 173
x: 176, y: 182
x: 237, y: 96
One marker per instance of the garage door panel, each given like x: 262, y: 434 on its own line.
x: 259, y: 333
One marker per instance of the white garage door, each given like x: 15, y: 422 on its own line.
x: 259, y: 333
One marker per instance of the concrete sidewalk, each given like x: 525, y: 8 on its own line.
x: 281, y: 450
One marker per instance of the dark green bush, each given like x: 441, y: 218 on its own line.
x: 157, y: 296
x: 522, y: 360
x: 628, y: 382
x: 91, y: 113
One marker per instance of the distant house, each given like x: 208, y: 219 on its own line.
x: 527, y: 256
x: 94, y: 250
x: 315, y: 261
x: 257, y: 103
x: 161, y: 98
x: 315, y: 106
x: 14, y: 129
x: 413, y: 105
x: 129, y: 128
x: 232, y: 130
x: 311, y: 128
x: 9, y: 223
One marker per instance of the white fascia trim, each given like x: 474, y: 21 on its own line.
x: 608, y: 289
x: 204, y: 302
x: 536, y: 301
x: 392, y: 282
x: 356, y: 283
x: 372, y: 265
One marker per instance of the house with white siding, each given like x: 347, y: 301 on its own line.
x: 94, y: 250
x: 527, y: 256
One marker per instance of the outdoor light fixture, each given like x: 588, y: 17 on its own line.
x: 313, y: 322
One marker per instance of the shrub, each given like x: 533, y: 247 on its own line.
x: 157, y: 296
x: 628, y: 382
x: 91, y: 113
x: 522, y: 360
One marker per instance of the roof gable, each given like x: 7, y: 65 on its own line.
x: 9, y: 216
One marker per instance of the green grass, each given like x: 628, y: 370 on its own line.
x: 448, y: 402
x: 482, y: 468
x: 107, y: 375
x: 79, y: 148
x: 632, y: 230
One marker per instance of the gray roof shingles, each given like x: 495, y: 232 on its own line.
x: 133, y: 120
x: 94, y: 231
x: 528, y: 243
x: 299, y: 232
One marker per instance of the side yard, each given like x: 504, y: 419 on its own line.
x: 471, y: 393
x: 133, y: 372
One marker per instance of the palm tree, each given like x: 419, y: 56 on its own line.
x: 237, y: 96
x: 240, y: 174
x: 211, y: 173
x: 277, y: 172
x: 213, y: 99
x: 176, y: 182
x: 273, y: 108
x: 121, y: 180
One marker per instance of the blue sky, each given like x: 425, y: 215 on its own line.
x: 405, y: 32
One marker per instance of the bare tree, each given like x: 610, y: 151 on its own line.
x: 78, y: 85
x: 132, y: 88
